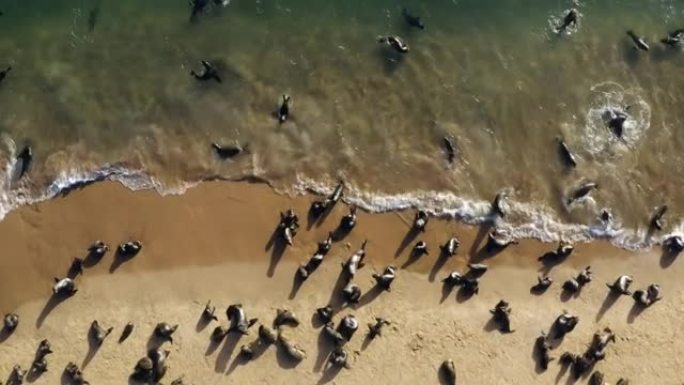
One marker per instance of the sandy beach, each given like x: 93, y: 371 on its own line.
x: 210, y: 244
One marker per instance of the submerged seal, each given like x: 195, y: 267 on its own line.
x: 638, y: 42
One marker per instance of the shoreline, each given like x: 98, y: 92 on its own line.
x: 209, y: 243
x: 67, y: 225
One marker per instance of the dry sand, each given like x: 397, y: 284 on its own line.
x: 210, y: 244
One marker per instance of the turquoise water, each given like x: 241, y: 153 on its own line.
x: 492, y: 74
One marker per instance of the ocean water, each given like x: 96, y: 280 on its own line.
x: 101, y: 89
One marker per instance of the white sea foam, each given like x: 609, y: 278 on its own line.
x: 523, y: 220
x: 531, y: 221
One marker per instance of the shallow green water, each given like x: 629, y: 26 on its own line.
x: 490, y: 73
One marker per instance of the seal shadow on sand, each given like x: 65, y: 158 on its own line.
x: 50, y: 305
x: 229, y: 344
x: 439, y: 264
x: 329, y: 374
x: 325, y: 347
x: 258, y: 351
x: 608, y: 302
x: 277, y: 245
x: 297, y: 282
x: 667, y: 259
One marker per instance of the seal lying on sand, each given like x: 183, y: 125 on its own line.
x: 542, y: 348
x: 448, y: 370
x: 325, y: 314
x: 384, y: 280
x: 98, y: 333
x: 355, y: 262
x: 293, y: 350
x: 238, y: 319
x: 674, y: 244
x: 574, y: 285
x: 348, y: 326
x: 333, y: 335
x: 543, y: 283
x: 165, y: 331
x: 648, y: 297
x: 348, y: 222
x: 74, y: 375
x: 285, y: 317
x: 564, y: 324
x: 288, y: 225
x: 64, y: 286
x: 498, y: 240
x: 450, y: 247
x: 621, y: 285
x: 129, y: 249
x: 315, y: 261
x: 127, y: 331
x: 209, y: 312
x: 351, y: 293
x: 501, y: 314
x: 375, y: 329
x: 420, y: 221
x: 339, y: 358
x: 10, y: 323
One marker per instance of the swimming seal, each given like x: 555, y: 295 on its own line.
x: 411, y: 20
x: 674, y: 38
x: 570, y: 19
x: 208, y: 73
x: 395, y: 42
x: 229, y: 151
x: 638, y: 42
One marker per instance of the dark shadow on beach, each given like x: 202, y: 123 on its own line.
x: 410, y: 236
x: 482, y: 232
x: 336, y: 300
x: 635, y: 312
x: 608, y: 302
x: 368, y: 297
x: 278, y: 247
x: 120, y: 259
x: 439, y: 263
x: 667, y: 258
x: 329, y: 374
x: 463, y: 294
x: 414, y: 256
x: 325, y: 347
x: 297, y: 282
x: 92, y: 259
x: 50, y: 305
x: 447, y: 289
x: 229, y: 345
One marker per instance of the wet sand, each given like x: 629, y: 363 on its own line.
x: 211, y: 243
